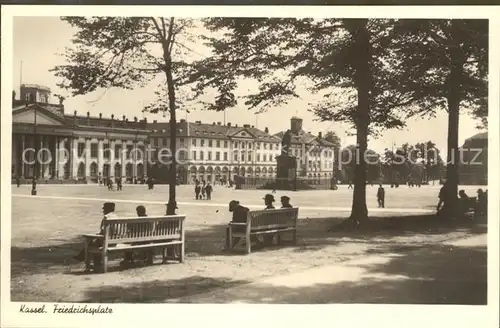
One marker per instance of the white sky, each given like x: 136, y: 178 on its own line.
x: 39, y: 40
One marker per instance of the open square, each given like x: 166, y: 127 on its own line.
x: 46, y: 229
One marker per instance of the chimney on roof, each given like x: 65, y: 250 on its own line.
x: 252, y: 126
x: 213, y: 123
x: 126, y: 120
x: 236, y: 125
x: 229, y: 124
x: 246, y: 125
x: 74, y: 113
x: 123, y: 117
x: 219, y: 123
x: 198, y: 122
x: 266, y: 129
x: 100, y: 115
x: 145, y: 120
x: 112, y: 116
x: 320, y: 135
x: 88, y: 114
x: 135, y: 118
x: 155, y: 121
x: 183, y: 120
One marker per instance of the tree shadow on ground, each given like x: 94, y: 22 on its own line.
x: 313, y: 234
x: 158, y: 290
x: 431, y: 275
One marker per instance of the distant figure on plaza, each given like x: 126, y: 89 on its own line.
x: 203, y: 190
x: 110, y: 184
x: 150, y: 183
x: 482, y: 202
x: 285, y: 202
x: 350, y: 185
x: 268, y: 201
x: 442, y: 195
x: 381, y: 196
x: 197, y: 190
x: 119, y: 185
x: 108, y: 209
x: 286, y: 142
x: 208, y: 191
x: 18, y: 181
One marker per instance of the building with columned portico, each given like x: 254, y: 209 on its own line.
x: 76, y: 147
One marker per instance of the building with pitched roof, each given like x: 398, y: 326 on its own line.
x: 75, y: 147
x: 315, y: 155
x: 214, y: 152
x: 473, y: 168
x: 87, y: 147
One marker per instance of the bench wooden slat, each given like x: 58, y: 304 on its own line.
x: 265, y: 222
x: 155, y: 231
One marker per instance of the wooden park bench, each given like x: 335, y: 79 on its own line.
x: 265, y: 222
x: 137, y: 233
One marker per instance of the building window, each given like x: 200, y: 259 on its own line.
x: 225, y: 143
x: 225, y: 156
x: 182, y: 142
x: 258, y: 157
x: 93, y: 150
x: 165, y: 142
x: 210, y: 143
x: 265, y: 158
x: 182, y: 155
x: 242, y: 145
x: 235, y: 144
x: 129, y: 151
x: 81, y: 148
x: 202, y: 142
x: 194, y: 142
x: 217, y: 144
x: 249, y: 146
x: 194, y: 155
x: 270, y: 146
x: 217, y: 156
x: 250, y: 157
x: 270, y: 158
x: 106, y: 151
x: 201, y: 155
x: 265, y: 145
x: 236, y: 156
x: 209, y: 155
x: 118, y: 150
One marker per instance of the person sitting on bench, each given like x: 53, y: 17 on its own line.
x: 482, y: 202
x: 285, y: 202
x: 108, y: 209
x: 240, y: 216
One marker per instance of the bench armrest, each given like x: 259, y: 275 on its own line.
x: 91, y: 235
x: 238, y: 223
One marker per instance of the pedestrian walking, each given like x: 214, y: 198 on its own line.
x: 197, y: 190
x: 381, y: 196
x: 208, y: 191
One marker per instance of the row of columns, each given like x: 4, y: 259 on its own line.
x: 57, y: 166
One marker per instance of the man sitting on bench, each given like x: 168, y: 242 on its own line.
x: 240, y: 216
x: 108, y: 209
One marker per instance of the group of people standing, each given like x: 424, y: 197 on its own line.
x: 203, y: 190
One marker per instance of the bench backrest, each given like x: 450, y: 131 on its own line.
x: 273, y: 219
x: 146, y: 228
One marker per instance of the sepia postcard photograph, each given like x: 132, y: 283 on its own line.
x: 328, y: 157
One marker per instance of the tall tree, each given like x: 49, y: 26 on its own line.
x: 327, y: 54
x: 443, y: 64
x: 129, y: 52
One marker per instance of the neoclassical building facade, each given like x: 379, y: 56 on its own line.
x: 87, y: 147
x: 74, y: 147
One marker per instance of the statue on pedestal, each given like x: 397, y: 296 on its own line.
x: 286, y: 142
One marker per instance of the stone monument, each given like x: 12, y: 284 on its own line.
x: 286, y: 168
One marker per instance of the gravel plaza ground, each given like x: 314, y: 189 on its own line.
x: 45, y: 231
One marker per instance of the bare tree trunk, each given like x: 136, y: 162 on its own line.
x: 451, y: 200
x: 362, y: 79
